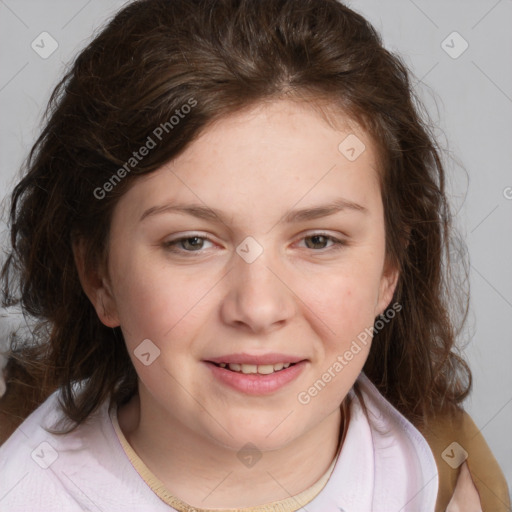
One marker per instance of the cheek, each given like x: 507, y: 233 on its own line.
x: 344, y: 304
x: 157, y: 303
x: 146, y: 301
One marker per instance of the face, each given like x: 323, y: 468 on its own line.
x: 261, y: 243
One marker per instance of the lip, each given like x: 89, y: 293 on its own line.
x: 254, y: 383
x: 271, y: 358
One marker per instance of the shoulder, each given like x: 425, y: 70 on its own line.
x: 30, y: 428
x: 25, y: 461
x: 457, y: 444
x: 74, y: 471
x: 404, y: 466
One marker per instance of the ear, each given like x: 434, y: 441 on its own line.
x: 388, y: 282
x: 97, y: 287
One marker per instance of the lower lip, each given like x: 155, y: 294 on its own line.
x: 255, y: 383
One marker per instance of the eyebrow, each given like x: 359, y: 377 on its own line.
x: 299, y: 215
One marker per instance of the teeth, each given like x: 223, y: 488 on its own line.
x: 262, y: 369
x: 249, y: 368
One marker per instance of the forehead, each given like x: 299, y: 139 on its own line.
x: 269, y: 155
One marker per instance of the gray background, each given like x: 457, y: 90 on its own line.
x: 468, y: 97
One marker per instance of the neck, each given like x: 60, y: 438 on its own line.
x: 204, y: 474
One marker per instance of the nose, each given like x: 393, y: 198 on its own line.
x: 258, y: 298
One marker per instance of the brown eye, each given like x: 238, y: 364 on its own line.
x: 187, y: 244
x: 321, y: 242
x: 192, y: 243
x: 317, y: 241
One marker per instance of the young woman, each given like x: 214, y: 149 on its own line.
x: 234, y: 232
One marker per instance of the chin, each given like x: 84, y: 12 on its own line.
x: 266, y: 434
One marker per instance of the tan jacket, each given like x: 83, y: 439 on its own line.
x: 472, y: 448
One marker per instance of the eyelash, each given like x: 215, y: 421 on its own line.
x: 171, y: 245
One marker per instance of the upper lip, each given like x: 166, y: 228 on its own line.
x: 271, y: 358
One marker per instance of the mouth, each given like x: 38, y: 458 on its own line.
x: 261, y: 369
x: 256, y: 379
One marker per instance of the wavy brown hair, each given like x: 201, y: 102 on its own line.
x: 149, y: 61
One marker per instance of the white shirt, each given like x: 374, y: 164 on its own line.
x: 385, y: 465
